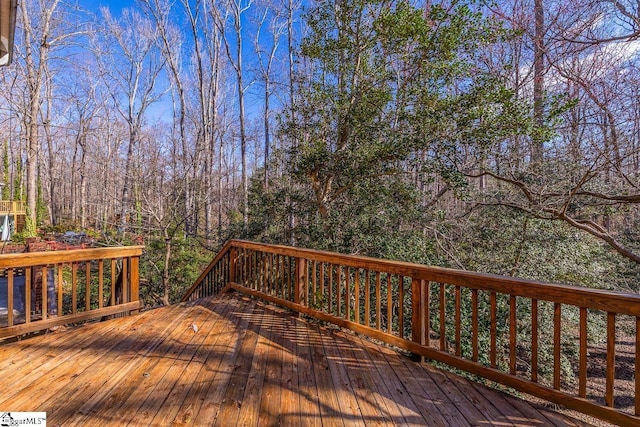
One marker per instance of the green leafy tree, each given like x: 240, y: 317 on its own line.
x: 390, y: 94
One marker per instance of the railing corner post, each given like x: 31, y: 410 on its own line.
x: 417, y: 310
x: 301, y: 280
x: 134, y: 271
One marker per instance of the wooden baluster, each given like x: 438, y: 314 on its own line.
x: 268, y: 262
x: 474, y: 325
x: 258, y: 276
x: 330, y: 290
x: 512, y: 334
x: 27, y: 294
x: 534, y: 340
x: 307, y: 283
x: 283, y: 276
x: 217, y: 281
x: 347, y: 293
x: 261, y: 271
x: 378, y: 301
x: 401, y: 306
x: 289, y: 292
x: 367, y: 299
x: 10, y: 289
x: 417, y: 311
x: 248, y: 269
x: 279, y: 275
x: 60, y: 285
x: 253, y: 283
x: 582, y: 376
x: 275, y: 269
x: 266, y: 272
x: 338, y: 290
x: 458, y: 320
x: 611, y: 357
x: 100, y: 284
x: 74, y: 287
x: 443, y: 319
x: 494, y: 322
x: 389, y: 303
x: 247, y: 266
x: 125, y: 282
x: 322, y: 287
x: 256, y: 271
x: 272, y: 274
x: 87, y: 285
x: 356, y: 289
x: 427, y: 312
x: 252, y: 270
x: 557, y: 329
x: 314, y: 275
x: 241, y: 266
x: 45, y: 294
x: 113, y: 283
x: 275, y: 274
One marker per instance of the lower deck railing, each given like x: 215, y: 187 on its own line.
x: 562, y: 343
x: 39, y: 290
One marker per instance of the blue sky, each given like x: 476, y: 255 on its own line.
x: 115, y: 5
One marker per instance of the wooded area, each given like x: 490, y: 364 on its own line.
x: 501, y: 137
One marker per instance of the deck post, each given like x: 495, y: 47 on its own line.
x: 301, y: 281
x: 134, y: 271
x: 417, y: 310
x: 233, y: 264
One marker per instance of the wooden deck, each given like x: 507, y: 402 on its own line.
x: 230, y: 360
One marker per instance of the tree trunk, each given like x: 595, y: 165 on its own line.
x: 165, y: 268
x: 537, y: 150
x: 126, y: 187
x: 34, y: 76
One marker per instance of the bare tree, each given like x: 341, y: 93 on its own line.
x: 131, y: 65
x: 537, y: 151
x: 171, y: 40
x: 207, y: 64
x: 38, y: 39
x: 230, y: 15
x: 276, y: 27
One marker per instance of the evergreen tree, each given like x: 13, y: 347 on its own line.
x: 391, y: 93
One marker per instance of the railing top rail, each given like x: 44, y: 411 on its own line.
x: 30, y: 259
x: 598, y: 299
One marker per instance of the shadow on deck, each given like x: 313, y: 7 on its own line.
x: 231, y: 360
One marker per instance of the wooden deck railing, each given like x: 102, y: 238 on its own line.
x: 39, y: 290
x: 12, y: 206
x: 515, y: 332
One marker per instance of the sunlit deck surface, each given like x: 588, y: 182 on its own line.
x: 243, y: 363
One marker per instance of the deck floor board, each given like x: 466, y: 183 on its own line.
x: 247, y: 363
